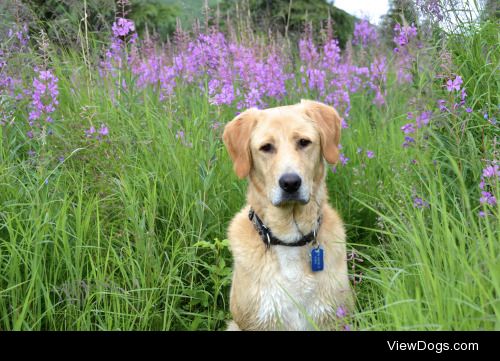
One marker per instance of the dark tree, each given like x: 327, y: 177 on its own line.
x: 154, y: 16
x: 288, y: 17
x: 62, y: 19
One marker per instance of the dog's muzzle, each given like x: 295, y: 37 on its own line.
x: 291, y: 191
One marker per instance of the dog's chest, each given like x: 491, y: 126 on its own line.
x: 292, y: 295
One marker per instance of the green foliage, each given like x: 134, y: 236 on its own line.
x: 62, y: 20
x: 155, y: 16
x: 479, y: 50
x: 289, y: 17
x: 491, y: 11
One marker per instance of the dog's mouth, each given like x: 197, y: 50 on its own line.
x: 290, y: 198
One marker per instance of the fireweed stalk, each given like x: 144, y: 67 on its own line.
x: 13, y: 48
x: 43, y: 103
x: 407, y: 46
x: 490, y: 179
x: 116, y: 55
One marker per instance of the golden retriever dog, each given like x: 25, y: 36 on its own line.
x: 288, y: 244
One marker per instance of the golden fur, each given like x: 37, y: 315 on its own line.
x: 275, y: 288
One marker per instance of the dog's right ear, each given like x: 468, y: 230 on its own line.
x: 237, y: 140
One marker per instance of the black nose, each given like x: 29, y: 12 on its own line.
x: 290, y: 182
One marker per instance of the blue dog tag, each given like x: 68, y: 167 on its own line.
x: 317, y: 259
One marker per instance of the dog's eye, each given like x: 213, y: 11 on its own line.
x: 267, y: 148
x: 304, y: 143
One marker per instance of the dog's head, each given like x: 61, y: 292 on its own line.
x: 282, y: 149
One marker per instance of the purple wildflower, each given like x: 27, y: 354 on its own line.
x: 215, y: 125
x: 115, y: 55
x: 454, y: 84
x: 370, y: 154
x: 423, y: 118
x: 167, y: 81
x: 307, y: 50
x: 104, y: 131
x: 378, y: 78
x: 491, y: 171
x: 408, y: 141
x: 408, y: 128
x: 90, y: 131
x: 463, y: 96
x: 441, y: 105
x: 419, y: 202
x: 179, y: 134
x: 431, y: 8
x: 122, y: 27
x: 341, y: 312
x: 331, y: 54
x: 487, y: 198
x: 343, y: 159
x: 404, y: 38
x: 364, y: 33
x: 22, y: 35
x: 403, y: 34
x: 43, y: 98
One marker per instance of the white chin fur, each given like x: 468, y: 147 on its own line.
x: 278, y: 196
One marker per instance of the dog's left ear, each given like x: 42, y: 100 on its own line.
x: 236, y: 137
x: 328, y: 121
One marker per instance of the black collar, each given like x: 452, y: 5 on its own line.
x: 270, y: 240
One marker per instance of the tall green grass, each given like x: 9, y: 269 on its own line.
x: 129, y: 234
